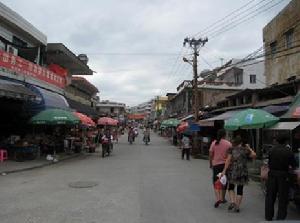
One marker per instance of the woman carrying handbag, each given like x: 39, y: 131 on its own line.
x: 237, y: 171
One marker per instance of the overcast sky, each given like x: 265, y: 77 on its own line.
x: 133, y: 45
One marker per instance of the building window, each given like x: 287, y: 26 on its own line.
x: 18, y: 42
x: 273, y: 47
x: 252, y: 79
x: 238, y: 78
x: 2, y: 45
x: 289, y: 38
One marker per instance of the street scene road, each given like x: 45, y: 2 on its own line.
x: 215, y: 81
x: 137, y: 184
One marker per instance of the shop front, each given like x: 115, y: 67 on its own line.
x: 288, y: 130
x: 209, y: 128
x: 13, y: 97
x: 26, y: 89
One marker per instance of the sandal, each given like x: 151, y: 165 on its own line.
x: 217, y: 204
x: 236, y: 209
x: 231, y: 206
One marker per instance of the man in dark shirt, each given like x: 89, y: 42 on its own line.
x: 281, y: 159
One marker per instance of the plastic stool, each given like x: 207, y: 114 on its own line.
x: 3, y: 155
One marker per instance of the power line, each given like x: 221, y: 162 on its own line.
x: 174, y: 70
x: 224, y: 29
x: 136, y: 54
x: 174, y: 66
x: 205, y: 61
x: 265, y: 55
x: 237, y: 17
x: 233, y: 24
x: 256, y: 55
x: 222, y: 19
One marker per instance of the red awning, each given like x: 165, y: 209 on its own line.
x: 136, y: 116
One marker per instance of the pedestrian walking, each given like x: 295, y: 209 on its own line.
x: 237, y: 171
x: 281, y: 158
x: 217, y: 156
x: 115, y: 136
x: 186, y: 147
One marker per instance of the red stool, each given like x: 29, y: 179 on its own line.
x: 3, y: 155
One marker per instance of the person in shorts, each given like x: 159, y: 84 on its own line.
x: 217, y: 156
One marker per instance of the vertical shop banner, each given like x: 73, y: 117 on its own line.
x: 27, y: 68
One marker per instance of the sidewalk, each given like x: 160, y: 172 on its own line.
x: 11, y: 166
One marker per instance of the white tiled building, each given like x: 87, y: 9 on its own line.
x: 244, y: 75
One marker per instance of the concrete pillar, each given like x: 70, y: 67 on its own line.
x: 38, y: 56
x: 298, y: 87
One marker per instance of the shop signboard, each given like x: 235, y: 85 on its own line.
x: 136, y: 116
x: 24, y: 67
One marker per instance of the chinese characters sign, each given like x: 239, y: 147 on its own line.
x: 25, y: 67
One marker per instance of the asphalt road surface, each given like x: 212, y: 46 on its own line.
x: 137, y: 184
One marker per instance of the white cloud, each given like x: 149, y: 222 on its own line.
x: 140, y: 26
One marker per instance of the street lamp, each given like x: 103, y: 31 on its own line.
x: 187, y: 61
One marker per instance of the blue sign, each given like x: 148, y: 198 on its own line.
x: 249, y: 118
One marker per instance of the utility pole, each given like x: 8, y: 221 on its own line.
x: 195, y: 44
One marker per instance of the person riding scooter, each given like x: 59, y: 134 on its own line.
x: 106, y: 141
x: 131, y: 135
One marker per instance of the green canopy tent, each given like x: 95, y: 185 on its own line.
x: 55, y: 117
x: 250, y: 119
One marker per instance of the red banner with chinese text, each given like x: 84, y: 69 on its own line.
x: 25, y: 67
x: 136, y: 116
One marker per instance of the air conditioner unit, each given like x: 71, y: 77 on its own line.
x: 12, y: 50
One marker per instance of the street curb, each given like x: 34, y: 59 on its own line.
x: 41, y: 165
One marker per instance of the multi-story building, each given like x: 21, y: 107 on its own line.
x: 26, y: 84
x: 281, y: 38
x: 111, y: 109
x: 33, y: 76
x: 159, y: 107
x: 216, y: 85
x: 143, y: 108
x: 239, y: 73
x: 181, y: 105
x: 82, y: 96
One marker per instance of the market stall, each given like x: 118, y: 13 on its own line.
x: 62, y: 123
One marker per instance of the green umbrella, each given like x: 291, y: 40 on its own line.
x: 172, y: 122
x: 162, y: 127
x: 55, y: 117
x: 250, y: 119
x: 164, y: 122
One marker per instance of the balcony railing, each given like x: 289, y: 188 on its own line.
x: 20, y: 66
